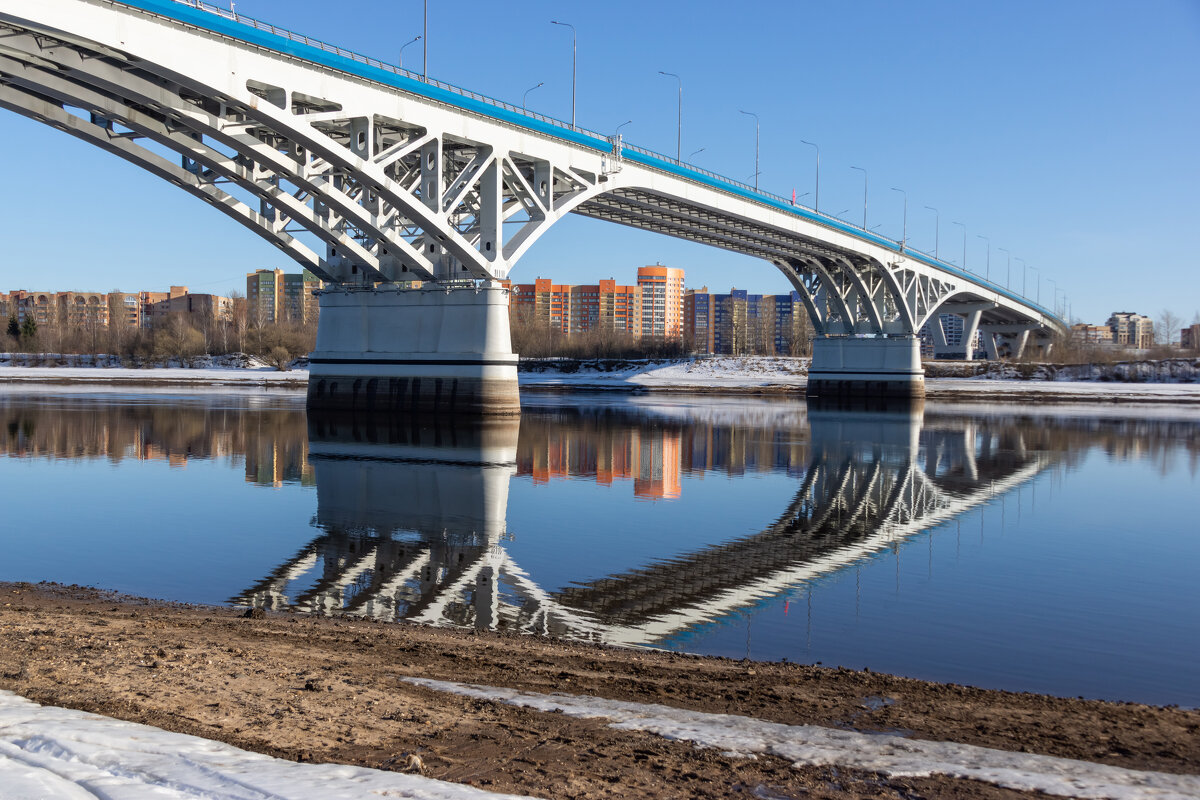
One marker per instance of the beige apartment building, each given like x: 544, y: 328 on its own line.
x: 1131, y: 330
x: 275, y: 296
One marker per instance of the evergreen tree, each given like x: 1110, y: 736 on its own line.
x: 14, y: 330
x: 29, y: 328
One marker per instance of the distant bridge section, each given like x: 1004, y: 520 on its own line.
x: 398, y: 179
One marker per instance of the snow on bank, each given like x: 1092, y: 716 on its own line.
x: 216, y: 376
x: 720, y: 372
x: 71, y: 755
x: 813, y: 745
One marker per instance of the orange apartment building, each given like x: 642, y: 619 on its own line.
x: 662, y: 302
x: 542, y: 301
x: 606, y: 306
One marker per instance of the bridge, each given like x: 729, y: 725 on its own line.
x: 372, y: 177
x: 416, y: 530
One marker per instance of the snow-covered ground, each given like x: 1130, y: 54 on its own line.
x: 48, y: 752
x: 814, y: 745
x: 733, y: 374
x: 209, y: 376
x: 722, y: 372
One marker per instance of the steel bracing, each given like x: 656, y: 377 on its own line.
x: 363, y: 173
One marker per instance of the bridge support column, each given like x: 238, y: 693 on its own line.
x: 844, y: 366
x: 432, y: 350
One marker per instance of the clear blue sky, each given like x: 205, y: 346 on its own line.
x: 1066, y: 132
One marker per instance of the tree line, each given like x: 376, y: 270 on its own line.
x: 177, y: 335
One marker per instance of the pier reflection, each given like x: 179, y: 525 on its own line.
x: 413, y: 516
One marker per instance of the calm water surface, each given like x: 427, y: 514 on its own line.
x: 1045, y: 550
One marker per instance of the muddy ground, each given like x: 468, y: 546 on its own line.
x: 329, y: 690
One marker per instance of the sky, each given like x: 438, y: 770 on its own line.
x: 1063, y: 132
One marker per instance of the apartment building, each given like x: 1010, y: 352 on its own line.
x: 1189, y: 337
x: 1131, y: 330
x: 605, y: 306
x: 275, y: 296
x: 698, y: 320
x: 542, y: 301
x: 739, y: 323
x: 662, y: 301
x: 1082, y: 333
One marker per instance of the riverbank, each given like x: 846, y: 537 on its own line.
x: 748, y: 375
x: 340, y: 691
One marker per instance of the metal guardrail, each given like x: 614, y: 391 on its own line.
x: 266, y: 27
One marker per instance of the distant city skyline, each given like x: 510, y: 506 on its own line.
x: 1060, y: 139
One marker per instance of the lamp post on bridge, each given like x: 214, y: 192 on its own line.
x: 414, y: 40
x: 1039, y: 285
x: 617, y: 132
x: 1054, y: 301
x: 1024, y: 277
x: 525, y: 96
x: 904, y: 229
x: 678, y: 116
x: 964, y: 227
x: 817, y: 187
x: 937, y: 231
x: 864, y: 172
x: 1007, y: 269
x: 573, y: 62
x: 752, y: 114
x: 988, y: 266
x: 425, y: 46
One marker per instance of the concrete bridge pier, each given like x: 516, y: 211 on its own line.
x: 435, y: 350
x: 866, y: 367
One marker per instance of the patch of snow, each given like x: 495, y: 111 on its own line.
x: 812, y: 745
x: 71, y: 755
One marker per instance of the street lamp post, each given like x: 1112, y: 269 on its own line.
x: 617, y: 132
x: 573, y: 62
x: 904, y: 234
x: 525, y: 96
x: 414, y: 40
x: 937, y: 231
x: 964, y: 227
x: 1038, y: 299
x: 425, y: 46
x: 864, y: 172
x: 1054, y: 301
x: 1024, y: 277
x: 817, y: 188
x: 678, y: 115
x: 752, y: 114
x: 988, y: 266
x: 1007, y: 268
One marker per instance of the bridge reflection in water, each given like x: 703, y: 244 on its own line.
x: 413, y: 516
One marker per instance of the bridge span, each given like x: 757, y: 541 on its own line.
x: 371, y: 177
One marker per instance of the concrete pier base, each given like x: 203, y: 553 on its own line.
x: 866, y: 367
x: 440, y: 351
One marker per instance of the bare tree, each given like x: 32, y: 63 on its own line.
x: 1167, y: 327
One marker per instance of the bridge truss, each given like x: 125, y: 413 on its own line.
x: 396, y: 179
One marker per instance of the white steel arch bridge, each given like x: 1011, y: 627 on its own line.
x: 400, y: 179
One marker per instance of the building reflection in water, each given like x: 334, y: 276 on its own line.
x: 412, y: 516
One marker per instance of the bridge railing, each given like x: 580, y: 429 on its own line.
x: 333, y: 49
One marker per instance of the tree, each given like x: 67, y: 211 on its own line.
x: 29, y: 328
x: 14, y: 328
x: 1167, y: 327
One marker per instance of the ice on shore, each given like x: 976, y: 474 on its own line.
x: 71, y: 755
x: 814, y: 745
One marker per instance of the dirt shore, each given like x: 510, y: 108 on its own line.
x: 330, y: 690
